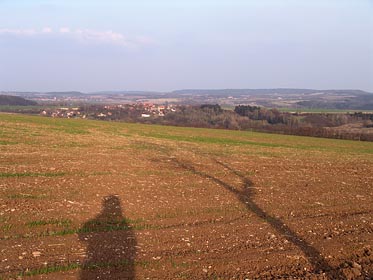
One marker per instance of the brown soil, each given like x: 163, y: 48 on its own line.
x: 109, y: 206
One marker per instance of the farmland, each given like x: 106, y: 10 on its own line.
x: 81, y: 199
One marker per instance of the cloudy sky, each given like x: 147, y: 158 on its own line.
x: 163, y: 45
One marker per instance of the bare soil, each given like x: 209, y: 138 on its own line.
x: 95, y: 200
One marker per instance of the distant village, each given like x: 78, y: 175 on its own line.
x: 111, y: 112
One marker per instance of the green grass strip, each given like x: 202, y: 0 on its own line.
x: 31, y: 174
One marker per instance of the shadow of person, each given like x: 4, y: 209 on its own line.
x: 111, y: 244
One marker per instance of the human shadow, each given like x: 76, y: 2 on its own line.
x: 246, y: 195
x: 111, y: 244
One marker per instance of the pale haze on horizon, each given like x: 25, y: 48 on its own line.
x: 166, y: 45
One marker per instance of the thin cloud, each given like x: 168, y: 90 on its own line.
x: 64, y: 30
x: 109, y: 37
x: 47, y: 30
x: 20, y: 32
x: 83, y: 35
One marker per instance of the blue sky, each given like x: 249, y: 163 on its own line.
x: 165, y: 45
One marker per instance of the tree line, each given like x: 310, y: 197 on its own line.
x: 246, y: 117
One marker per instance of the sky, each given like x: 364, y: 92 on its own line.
x: 164, y: 45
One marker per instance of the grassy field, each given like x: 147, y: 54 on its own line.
x: 14, y: 108
x: 83, y: 198
x: 322, y: 110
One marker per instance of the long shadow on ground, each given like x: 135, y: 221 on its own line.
x: 111, y: 244
x: 246, y: 195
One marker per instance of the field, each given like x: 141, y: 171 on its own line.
x: 323, y: 111
x: 86, y: 199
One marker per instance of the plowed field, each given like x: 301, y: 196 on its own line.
x: 99, y: 200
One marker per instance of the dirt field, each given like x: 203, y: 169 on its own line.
x: 85, y: 199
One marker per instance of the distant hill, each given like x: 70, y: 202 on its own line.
x: 238, y: 92
x: 125, y: 92
x: 286, y: 97
x: 297, y: 98
x: 199, y: 92
x: 63, y: 93
x: 271, y: 91
x: 47, y: 94
x: 15, y: 101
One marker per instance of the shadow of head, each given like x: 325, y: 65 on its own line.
x: 111, y: 207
